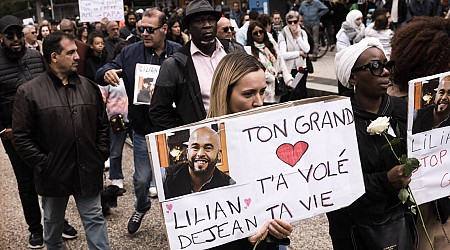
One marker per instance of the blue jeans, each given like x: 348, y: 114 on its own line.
x: 142, y: 177
x: 90, y: 211
x: 115, y: 157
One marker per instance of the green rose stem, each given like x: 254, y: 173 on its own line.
x: 411, y: 193
x: 256, y: 244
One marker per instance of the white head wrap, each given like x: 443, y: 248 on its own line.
x: 352, y: 16
x: 346, y: 58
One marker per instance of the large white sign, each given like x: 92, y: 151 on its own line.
x: 429, y: 136
x: 95, y: 10
x: 290, y: 162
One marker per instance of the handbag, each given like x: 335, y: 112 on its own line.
x: 280, y: 86
x: 117, y: 123
x: 309, y: 65
x: 394, y: 229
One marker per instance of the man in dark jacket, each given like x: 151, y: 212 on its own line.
x: 437, y: 115
x: 61, y: 129
x: 185, y: 78
x: 18, y: 65
x: 113, y: 38
x: 154, y: 49
x: 200, y: 173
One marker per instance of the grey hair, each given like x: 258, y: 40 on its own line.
x: 292, y: 14
x: 155, y: 12
x: 27, y: 29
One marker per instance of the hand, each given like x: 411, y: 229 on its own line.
x: 397, y: 177
x: 280, y: 228
x: 104, y: 21
x: 261, y: 234
x: 7, y: 134
x: 111, y: 76
x: 302, y: 53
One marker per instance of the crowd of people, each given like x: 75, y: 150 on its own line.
x: 63, y: 85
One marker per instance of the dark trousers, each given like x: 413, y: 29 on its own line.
x: 300, y: 91
x: 27, y: 190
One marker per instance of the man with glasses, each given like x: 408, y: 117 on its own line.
x: 18, y: 65
x: 225, y: 33
x: 68, y: 26
x: 153, y: 49
x: 31, y: 40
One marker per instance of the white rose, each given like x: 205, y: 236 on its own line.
x: 380, y: 125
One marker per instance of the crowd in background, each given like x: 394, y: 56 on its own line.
x: 284, y: 44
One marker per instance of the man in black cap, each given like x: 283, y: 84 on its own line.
x: 18, y: 65
x: 185, y: 78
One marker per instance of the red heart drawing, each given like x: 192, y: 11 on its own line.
x: 292, y: 154
x: 169, y: 207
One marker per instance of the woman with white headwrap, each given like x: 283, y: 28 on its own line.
x: 365, y: 67
x: 352, y: 30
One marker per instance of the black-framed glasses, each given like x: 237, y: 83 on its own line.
x: 10, y: 35
x: 229, y: 28
x: 292, y: 22
x: 258, y: 32
x: 376, y: 67
x: 150, y: 30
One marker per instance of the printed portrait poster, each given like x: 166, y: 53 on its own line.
x: 144, y: 82
x: 95, y: 10
x: 287, y: 161
x: 429, y: 136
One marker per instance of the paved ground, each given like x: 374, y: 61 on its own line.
x: 309, y: 234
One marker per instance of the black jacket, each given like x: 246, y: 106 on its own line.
x: 13, y: 73
x: 178, y: 83
x: 126, y: 60
x: 63, y: 133
x: 376, y: 161
x: 425, y: 119
x: 402, y: 9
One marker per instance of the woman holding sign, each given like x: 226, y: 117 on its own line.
x: 239, y: 84
x: 378, y: 219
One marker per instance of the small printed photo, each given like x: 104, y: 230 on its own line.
x: 146, y: 88
x: 193, y: 160
x: 431, y: 104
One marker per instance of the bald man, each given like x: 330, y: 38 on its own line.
x: 200, y: 172
x: 437, y: 115
x: 113, y: 38
x: 224, y: 29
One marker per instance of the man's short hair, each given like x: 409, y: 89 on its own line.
x: 264, y: 19
x: 52, y: 43
x: 154, y: 12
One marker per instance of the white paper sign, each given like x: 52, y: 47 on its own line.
x: 95, y: 10
x: 144, y: 82
x: 429, y: 136
x: 290, y: 163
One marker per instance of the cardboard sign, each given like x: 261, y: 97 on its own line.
x: 95, y: 10
x: 291, y: 162
x: 429, y: 136
x: 144, y: 84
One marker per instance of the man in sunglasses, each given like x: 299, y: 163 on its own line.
x: 31, y: 40
x: 18, y: 65
x: 153, y: 49
x: 437, y: 115
x: 185, y: 78
x: 225, y: 33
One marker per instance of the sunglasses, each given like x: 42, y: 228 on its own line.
x: 292, y: 22
x: 10, y: 35
x: 67, y: 30
x: 226, y: 29
x: 376, y: 67
x: 258, y: 32
x: 150, y: 30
